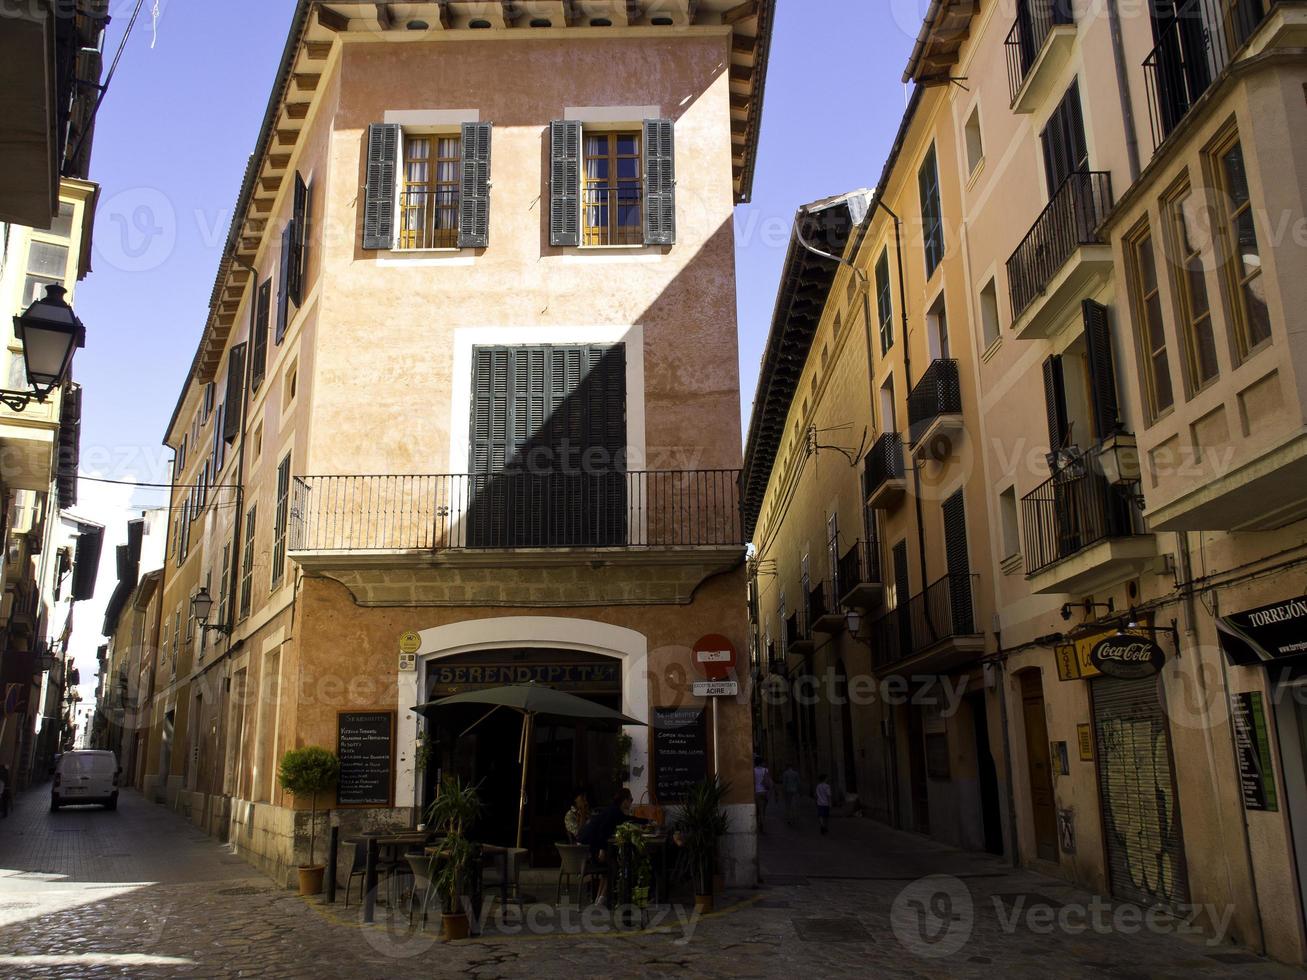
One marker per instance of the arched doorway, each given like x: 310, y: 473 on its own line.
x: 482, y: 745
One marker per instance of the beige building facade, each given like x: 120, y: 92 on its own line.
x: 1122, y: 201
x: 444, y: 428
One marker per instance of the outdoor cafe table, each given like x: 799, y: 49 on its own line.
x: 658, y: 843
x: 376, y: 842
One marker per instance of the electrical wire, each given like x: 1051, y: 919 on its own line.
x: 161, y: 486
x: 104, y: 88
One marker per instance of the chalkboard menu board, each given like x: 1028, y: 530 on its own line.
x: 680, y: 752
x: 365, y: 745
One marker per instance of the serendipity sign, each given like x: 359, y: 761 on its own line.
x: 1127, y: 657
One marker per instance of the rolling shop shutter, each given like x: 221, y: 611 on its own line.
x: 1136, y: 782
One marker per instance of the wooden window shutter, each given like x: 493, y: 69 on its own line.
x: 959, y: 568
x: 659, y: 182
x: 492, y: 373
x: 298, y: 237
x: 283, y: 283
x: 474, y: 194
x: 901, y: 583
x: 565, y: 183
x: 1102, y: 372
x: 259, y: 338
x: 379, y: 191
x: 231, y: 423
x: 1055, y: 403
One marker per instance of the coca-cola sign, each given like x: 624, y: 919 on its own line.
x: 1128, y: 657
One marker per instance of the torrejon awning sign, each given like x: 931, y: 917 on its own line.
x: 1266, y: 634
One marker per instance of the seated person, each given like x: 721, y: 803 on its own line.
x: 577, y: 817
x: 604, y: 824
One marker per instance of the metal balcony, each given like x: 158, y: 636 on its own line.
x: 883, y: 479
x: 1194, y: 47
x: 858, y: 580
x: 823, y: 614
x: 612, y: 510
x: 1038, y: 44
x: 935, y: 408
x: 1081, y: 532
x: 935, y: 630
x: 1061, y: 255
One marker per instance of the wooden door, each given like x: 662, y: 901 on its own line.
x: 1039, y: 762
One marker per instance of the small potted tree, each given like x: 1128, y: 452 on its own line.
x: 452, y: 813
x: 308, y: 772
x: 701, y: 824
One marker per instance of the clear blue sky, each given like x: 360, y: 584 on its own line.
x: 180, y: 121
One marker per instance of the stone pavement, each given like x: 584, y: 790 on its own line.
x: 141, y: 893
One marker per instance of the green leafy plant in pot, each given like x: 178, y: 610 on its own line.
x: 309, y: 771
x: 634, y: 868
x: 701, y: 824
x: 452, y: 813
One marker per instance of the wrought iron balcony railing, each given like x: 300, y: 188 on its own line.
x: 939, y: 392
x: 1071, y: 511
x: 884, y: 463
x: 1070, y: 220
x: 944, y: 611
x: 654, y: 510
x: 859, y: 566
x: 1194, y: 46
x: 1026, y: 40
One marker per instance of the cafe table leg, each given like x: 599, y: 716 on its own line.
x: 370, y: 882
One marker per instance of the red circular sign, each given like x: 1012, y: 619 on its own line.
x: 714, y: 657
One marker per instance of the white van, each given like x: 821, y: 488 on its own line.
x: 86, y: 776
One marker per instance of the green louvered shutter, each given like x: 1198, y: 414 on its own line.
x: 259, y: 340
x: 605, y: 437
x: 283, y: 281
x: 298, y: 237
x: 231, y: 423
x: 491, y: 379
x: 659, y: 182
x: 565, y: 183
x: 379, y: 191
x: 959, y: 570
x: 1055, y: 403
x: 474, y: 192
x: 1102, y: 372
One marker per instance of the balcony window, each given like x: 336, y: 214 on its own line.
x: 1189, y: 240
x: 1073, y: 510
x: 1035, y: 23
x: 938, y: 394
x: 1195, y: 42
x: 1244, y: 262
x: 611, y: 207
x: 1150, y: 329
x: 430, y: 202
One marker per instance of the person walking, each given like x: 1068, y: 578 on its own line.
x: 790, y: 790
x: 822, y: 793
x: 762, y: 790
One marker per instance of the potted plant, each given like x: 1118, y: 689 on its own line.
x: 308, y: 772
x: 701, y: 824
x: 452, y: 813
x: 622, y: 770
x: 634, y: 869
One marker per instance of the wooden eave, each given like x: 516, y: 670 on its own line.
x: 936, y: 52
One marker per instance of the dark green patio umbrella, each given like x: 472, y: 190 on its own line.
x: 530, y: 701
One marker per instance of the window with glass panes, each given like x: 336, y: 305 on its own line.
x: 280, y: 520
x: 429, y: 202
x: 1189, y: 238
x: 884, y: 304
x: 1244, y: 264
x: 612, y: 188
x: 932, y: 215
x: 247, y: 565
x: 1148, y: 322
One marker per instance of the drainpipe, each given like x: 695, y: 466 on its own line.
x: 1123, y: 88
x: 1000, y: 667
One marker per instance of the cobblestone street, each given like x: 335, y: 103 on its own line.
x: 141, y: 893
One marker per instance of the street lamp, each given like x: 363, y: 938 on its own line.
x: 202, y: 608
x: 50, y: 334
